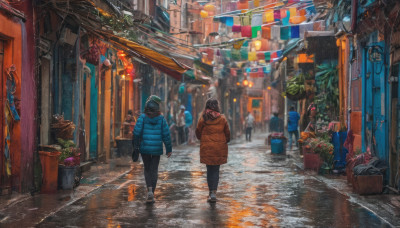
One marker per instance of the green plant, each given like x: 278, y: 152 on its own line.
x: 65, y: 143
x: 68, y: 149
x: 323, y: 147
x: 327, y: 100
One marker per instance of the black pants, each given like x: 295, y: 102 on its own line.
x: 212, y: 177
x: 181, y: 135
x: 151, y: 163
x: 248, y: 133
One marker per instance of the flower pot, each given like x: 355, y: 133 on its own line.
x: 367, y: 185
x: 66, y: 177
x: 49, y: 161
x: 311, y: 160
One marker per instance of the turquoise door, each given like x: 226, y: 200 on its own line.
x: 375, y: 101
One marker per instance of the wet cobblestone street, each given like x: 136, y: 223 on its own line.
x: 256, y: 189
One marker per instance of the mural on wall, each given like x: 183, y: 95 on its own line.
x: 11, y: 114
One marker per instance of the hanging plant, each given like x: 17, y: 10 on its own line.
x: 327, y: 100
x: 295, y: 89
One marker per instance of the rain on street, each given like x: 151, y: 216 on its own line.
x: 257, y: 189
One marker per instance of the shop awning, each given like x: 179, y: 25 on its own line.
x: 91, y: 23
x: 292, y: 45
x: 4, y: 6
x: 165, y: 64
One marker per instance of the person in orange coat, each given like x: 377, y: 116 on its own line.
x: 213, y: 132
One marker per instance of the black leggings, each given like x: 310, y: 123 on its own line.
x: 151, y: 163
x: 212, y: 177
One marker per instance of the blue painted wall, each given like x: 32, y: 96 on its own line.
x: 93, y: 112
x: 375, y: 101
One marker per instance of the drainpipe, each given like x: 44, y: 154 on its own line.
x: 349, y: 89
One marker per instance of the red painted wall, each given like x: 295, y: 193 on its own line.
x: 28, y: 96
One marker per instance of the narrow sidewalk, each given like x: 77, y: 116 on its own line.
x: 24, y: 210
x: 385, y: 206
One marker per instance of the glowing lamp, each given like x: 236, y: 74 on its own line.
x: 123, y: 76
x: 121, y: 54
x: 238, y: 83
x: 245, y: 82
x: 257, y: 44
x: 234, y: 100
x: 269, y: 87
x: 251, y: 84
x: 203, y: 14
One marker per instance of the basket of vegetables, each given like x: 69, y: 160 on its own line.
x: 295, y: 89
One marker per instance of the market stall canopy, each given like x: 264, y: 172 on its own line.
x: 165, y: 64
x: 80, y: 10
x: 291, y: 45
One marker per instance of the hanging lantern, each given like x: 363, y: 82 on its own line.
x: 245, y: 82
x: 203, y: 14
x: 209, y: 8
x: 257, y: 45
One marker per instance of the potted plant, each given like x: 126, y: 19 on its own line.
x: 69, y: 161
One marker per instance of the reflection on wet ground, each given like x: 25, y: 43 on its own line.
x: 256, y: 189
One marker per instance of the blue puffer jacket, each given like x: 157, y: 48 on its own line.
x: 153, y: 132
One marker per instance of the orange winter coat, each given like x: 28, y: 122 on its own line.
x: 214, y: 136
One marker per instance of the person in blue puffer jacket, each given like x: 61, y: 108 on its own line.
x: 152, y: 131
x: 293, y: 125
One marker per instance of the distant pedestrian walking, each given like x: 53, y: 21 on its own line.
x: 249, y: 124
x: 275, y: 124
x: 213, y: 133
x: 151, y: 131
x: 293, y: 125
x: 180, y: 125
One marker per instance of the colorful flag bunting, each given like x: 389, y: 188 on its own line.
x: 306, y: 27
x: 252, y: 56
x: 235, y: 54
x: 245, y: 20
x: 275, y: 32
x: 236, y: 20
x: 236, y: 28
x: 285, y: 20
x: 277, y: 15
x: 246, y: 31
x: 244, y: 53
x: 229, y: 21
x: 267, y: 56
x: 285, y: 32
x: 242, y: 5
x: 266, y: 32
x: 238, y: 44
x: 254, y: 31
x: 269, y: 16
x: 295, y: 31
x: 256, y: 20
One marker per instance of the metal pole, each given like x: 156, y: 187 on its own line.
x: 165, y: 94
